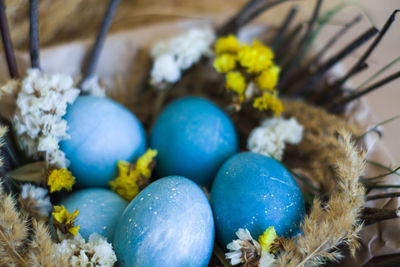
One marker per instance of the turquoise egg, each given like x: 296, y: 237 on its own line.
x: 169, y: 224
x: 193, y: 137
x: 253, y: 191
x: 99, y: 210
x: 102, y: 132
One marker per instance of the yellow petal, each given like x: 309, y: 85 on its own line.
x: 267, y: 239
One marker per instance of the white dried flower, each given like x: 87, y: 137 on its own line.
x: 243, y: 250
x: 267, y: 260
x: 165, y: 69
x: 96, y: 252
x: 40, y: 197
x: 41, y: 104
x: 180, y: 53
x: 270, y: 138
x: 92, y: 86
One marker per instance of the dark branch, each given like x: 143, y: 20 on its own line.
x: 322, y: 70
x: 285, y: 25
x: 335, y: 38
x: 375, y: 215
x: 371, y: 48
x: 93, y: 58
x: 380, y: 196
x: 7, y: 44
x: 34, y: 34
x: 369, y: 89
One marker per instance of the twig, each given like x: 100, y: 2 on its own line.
x: 378, y: 73
x: 249, y: 12
x: 381, y: 175
x: 302, y: 44
x: 316, y: 76
x: 288, y: 40
x: 335, y: 38
x: 384, y: 186
x: 93, y: 58
x: 380, y: 196
x: 7, y: 44
x: 371, y: 48
x: 375, y: 215
x: 253, y: 14
x: 378, y: 125
x: 369, y: 89
x: 285, y: 25
x: 379, y: 165
x: 34, y: 34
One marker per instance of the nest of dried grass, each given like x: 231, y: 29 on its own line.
x: 328, y: 156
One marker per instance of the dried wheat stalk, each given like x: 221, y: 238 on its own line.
x: 13, y: 233
x: 23, y: 243
x: 335, y: 222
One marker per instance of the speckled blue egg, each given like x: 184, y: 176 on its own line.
x: 254, y: 191
x: 193, y: 138
x: 99, y: 210
x: 102, y: 132
x: 169, y: 224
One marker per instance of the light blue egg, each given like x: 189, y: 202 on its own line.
x: 193, y: 138
x: 254, y: 191
x: 102, y: 132
x: 168, y: 224
x: 99, y: 210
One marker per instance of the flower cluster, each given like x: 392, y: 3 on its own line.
x: 249, y: 69
x: 41, y: 104
x: 96, y: 252
x: 249, y: 252
x: 271, y: 137
x: 133, y: 177
x: 92, y: 86
x: 35, y: 200
x: 178, y: 54
x: 60, y: 179
x: 64, y: 221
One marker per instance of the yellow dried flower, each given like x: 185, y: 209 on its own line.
x: 65, y: 221
x: 255, y: 58
x: 269, y: 101
x: 59, y: 179
x: 132, y: 177
x: 236, y: 82
x: 227, y: 44
x: 143, y: 164
x: 267, y: 239
x: 225, y: 63
x: 268, y: 79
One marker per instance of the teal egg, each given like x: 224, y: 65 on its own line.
x: 99, y: 210
x: 169, y: 224
x: 254, y: 192
x: 102, y: 133
x: 193, y: 137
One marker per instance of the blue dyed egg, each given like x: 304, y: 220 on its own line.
x: 169, y: 224
x: 102, y: 132
x: 193, y: 138
x: 253, y: 191
x: 99, y: 210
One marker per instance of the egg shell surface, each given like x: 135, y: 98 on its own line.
x: 99, y: 211
x: 253, y: 191
x: 102, y: 133
x: 193, y: 137
x: 169, y: 224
